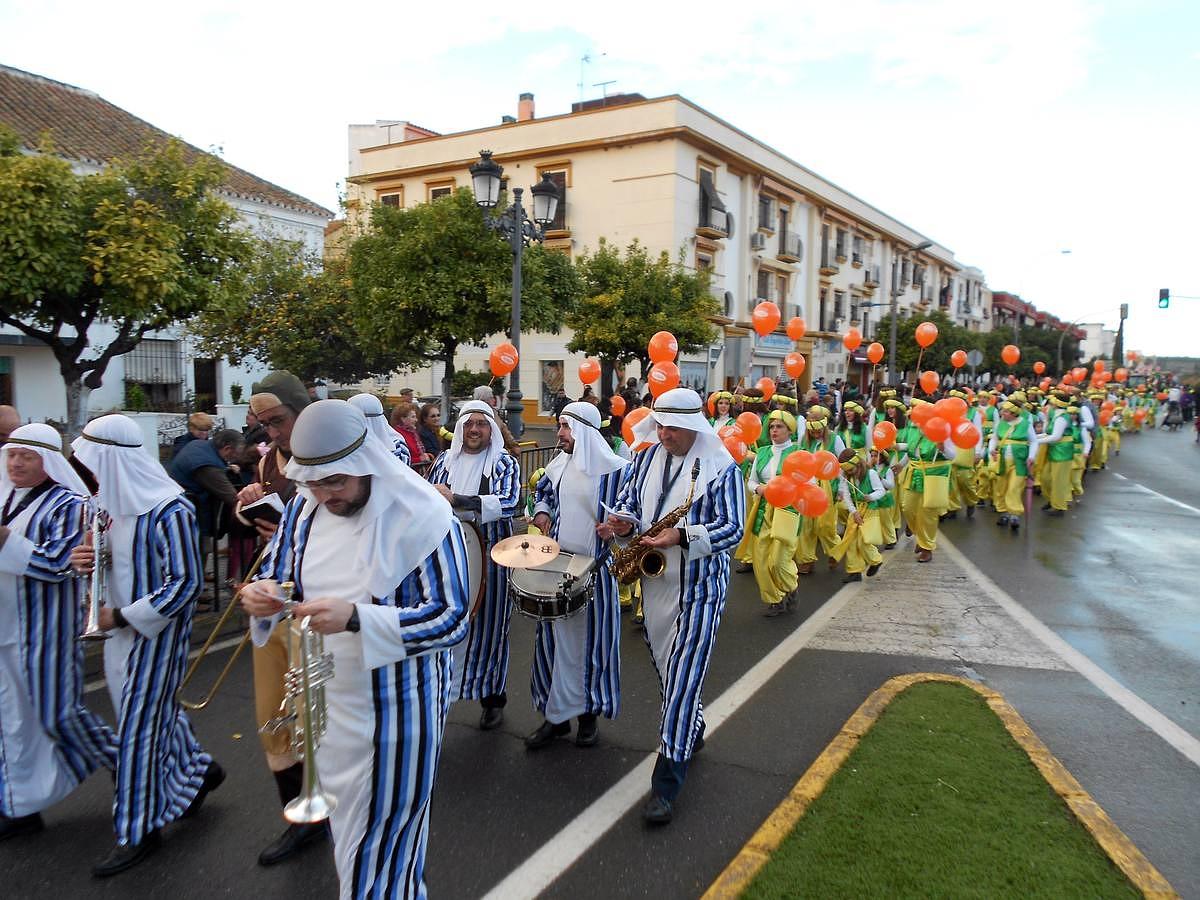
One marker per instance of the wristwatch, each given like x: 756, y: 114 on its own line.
x: 352, y: 624
x: 683, y: 538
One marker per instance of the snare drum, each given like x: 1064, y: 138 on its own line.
x: 560, y: 588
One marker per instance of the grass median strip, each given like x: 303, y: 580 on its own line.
x: 926, y: 793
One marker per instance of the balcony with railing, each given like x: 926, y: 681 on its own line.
x: 713, y: 224
x: 828, y: 266
x: 791, y: 250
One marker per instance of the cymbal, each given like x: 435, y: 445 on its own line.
x: 524, y: 551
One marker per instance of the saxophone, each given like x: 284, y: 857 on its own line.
x: 635, y: 560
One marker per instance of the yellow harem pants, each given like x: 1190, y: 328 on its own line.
x: 858, y: 551
x: 1099, y: 455
x: 1008, y: 492
x: 984, y: 473
x: 1056, y: 483
x: 1114, y: 440
x: 823, y: 529
x: 774, y: 554
x: 1078, y: 464
x: 962, y: 480
x: 922, y: 519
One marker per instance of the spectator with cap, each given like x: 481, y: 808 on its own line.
x: 198, y: 427
x: 485, y: 394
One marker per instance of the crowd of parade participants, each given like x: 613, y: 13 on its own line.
x: 374, y: 557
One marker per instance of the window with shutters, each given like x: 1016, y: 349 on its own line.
x: 561, y: 176
x: 392, y: 198
x: 763, y: 291
x: 437, y: 189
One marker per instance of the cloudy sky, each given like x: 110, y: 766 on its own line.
x: 1009, y: 132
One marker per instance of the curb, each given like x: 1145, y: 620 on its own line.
x: 757, y: 851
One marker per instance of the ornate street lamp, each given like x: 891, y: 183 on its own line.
x: 519, y: 230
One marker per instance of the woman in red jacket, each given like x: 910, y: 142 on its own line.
x: 404, y: 420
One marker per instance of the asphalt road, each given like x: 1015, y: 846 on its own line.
x: 1113, y: 579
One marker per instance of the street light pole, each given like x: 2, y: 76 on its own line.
x: 519, y: 229
x: 895, y: 313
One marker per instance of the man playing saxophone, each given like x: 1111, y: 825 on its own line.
x: 378, y: 564
x: 683, y: 606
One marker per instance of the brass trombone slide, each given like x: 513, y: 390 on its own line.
x: 193, y: 705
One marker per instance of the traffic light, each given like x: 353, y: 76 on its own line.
x: 1164, y: 298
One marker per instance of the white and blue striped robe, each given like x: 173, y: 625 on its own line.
x: 48, y: 616
x: 409, y: 699
x: 160, y: 765
x: 602, y: 674
x: 720, y: 512
x: 485, y: 668
x: 400, y: 450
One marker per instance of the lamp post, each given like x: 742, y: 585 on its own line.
x: 519, y: 229
x: 895, y: 313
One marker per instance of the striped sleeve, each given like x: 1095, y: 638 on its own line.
x: 726, y: 508
x: 629, y: 500
x: 545, y: 498
x: 178, y: 548
x: 501, y: 503
x: 437, y: 475
x: 402, y: 452
x: 61, y: 530
x: 431, y: 610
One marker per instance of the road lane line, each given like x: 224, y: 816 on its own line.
x: 219, y: 645
x: 1173, y: 734
x: 1170, y: 500
x: 541, y: 869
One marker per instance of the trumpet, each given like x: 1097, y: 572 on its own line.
x: 97, y: 591
x: 303, y: 710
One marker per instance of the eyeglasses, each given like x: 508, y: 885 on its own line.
x: 275, y: 421
x: 332, y: 485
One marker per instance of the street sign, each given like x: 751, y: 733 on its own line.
x: 974, y: 358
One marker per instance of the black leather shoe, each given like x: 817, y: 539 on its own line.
x: 294, y: 839
x: 1046, y: 506
x: 871, y: 570
x: 970, y: 512
x: 657, y: 811
x: 126, y: 856
x: 545, y: 734
x: 1014, y: 523
x: 491, y: 717
x: 1056, y: 513
x: 852, y: 577
x: 1002, y: 521
x: 588, y: 733
x: 15, y: 827
x: 214, y: 776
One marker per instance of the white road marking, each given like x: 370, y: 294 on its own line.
x: 541, y: 869
x: 99, y: 683
x: 1170, y: 500
x: 1173, y: 734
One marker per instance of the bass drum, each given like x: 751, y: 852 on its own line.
x: 556, y: 590
x: 477, y: 570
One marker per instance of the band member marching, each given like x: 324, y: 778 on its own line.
x: 49, y: 742
x: 379, y: 564
x: 372, y: 408
x: 577, y: 660
x: 683, y: 607
x: 482, y: 482
x: 162, y: 772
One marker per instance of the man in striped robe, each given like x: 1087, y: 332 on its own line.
x: 683, y: 607
x: 482, y: 484
x: 379, y: 564
x: 155, y: 577
x: 49, y: 742
x: 577, y: 660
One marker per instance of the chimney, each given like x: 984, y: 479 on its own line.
x: 525, y: 108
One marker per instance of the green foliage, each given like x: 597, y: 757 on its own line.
x: 143, y: 244
x: 631, y: 296
x: 1036, y: 344
x: 135, y: 397
x: 466, y: 380
x: 235, y: 393
x: 431, y: 278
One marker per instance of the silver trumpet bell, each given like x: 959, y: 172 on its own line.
x: 97, y: 590
x: 304, y: 711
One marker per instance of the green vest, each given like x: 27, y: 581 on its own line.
x: 761, y: 459
x: 1015, y: 435
x: 855, y: 439
x: 1064, y: 450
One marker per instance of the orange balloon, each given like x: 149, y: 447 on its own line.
x: 921, y: 413
x: 1122, y: 374
x: 958, y: 358
x: 737, y: 448
x: 852, y: 339
x: 728, y: 431
x: 663, y: 347
x: 926, y: 334
x: 827, y: 465
x: 1079, y: 373
x: 589, y: 371
x: 794, y: 364
x: 1106, y: 377
x: 815, y: 500
x: 767, y: 386
x: 792, y: 466
x: 883, y: 435
x: 751, y: 426
x: 1045, y: 383
x: 795, y: 328
x: 936, y: 429
x: 952, y: 409
x: 630, y: 420
x: 1039, y: 367
x: 805, y: 462
x: 663, y: 377
x: 875, y: 353
x: 929, y: 382
x: 1098, y: 365
x: 781, y: 491
x: 616, y: 403
x: 1011, y: 354
x: 1105, y: 416
x: 503, y: 359
x: 964, y: 434
x: 766, y: 317
x: 1107, y: 405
